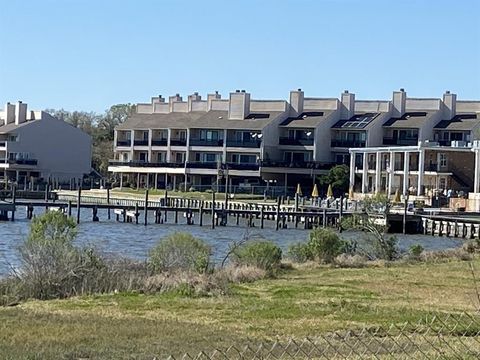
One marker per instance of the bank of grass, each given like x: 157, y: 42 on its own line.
x: 306, y: 301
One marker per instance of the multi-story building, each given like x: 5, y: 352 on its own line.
x: 428, y: 144
x: 191, y: 142
x: 34, y: 144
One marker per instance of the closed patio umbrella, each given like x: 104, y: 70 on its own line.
x: 330, y: 191
x: 315, y: 191
x: 299, y: 190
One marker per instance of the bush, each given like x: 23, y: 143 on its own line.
x: 415, y: 251
x: 299, y: 253
x: 325, y: 245
x: 241, y: 274
x: 261, y: 254
x: 180, y: 252
x: 350, y: 261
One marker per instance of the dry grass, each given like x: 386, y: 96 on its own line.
x: 302, y: 302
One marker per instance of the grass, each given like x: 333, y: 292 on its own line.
x: 303, y: 302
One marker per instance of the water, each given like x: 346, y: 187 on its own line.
x: 134, y: 241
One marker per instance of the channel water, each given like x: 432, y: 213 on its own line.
x: 134, y: 241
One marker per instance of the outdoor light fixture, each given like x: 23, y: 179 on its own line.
x: 308, y: 133
x: 259, y: 136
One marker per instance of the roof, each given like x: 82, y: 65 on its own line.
x: 465, y: 122
x: 4, y: 129
x: 358, y: 121
x: 213, y: 119
x: 409, y: 120
x: 307, y: 119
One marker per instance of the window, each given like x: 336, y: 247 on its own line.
x: 180, y: 158
x: 12, y: 138
x: 456, y: 136
x: 443, y: 160
x: 142, y: 156
x: 145, y: 135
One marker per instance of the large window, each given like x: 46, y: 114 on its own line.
x: 443, y: 160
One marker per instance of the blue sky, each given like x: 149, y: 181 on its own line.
x: 88, y: 55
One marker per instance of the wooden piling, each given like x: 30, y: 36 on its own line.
x: 108, y: 203
x: 79, y: 197
x: 213, y: 210
x: 136, y: 213
x: 277, y: 220
x: 200, y: 220
x: 261, y: 217
x: 146, y: 208
x: 69, y: 208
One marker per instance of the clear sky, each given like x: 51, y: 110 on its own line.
x: 90, y: 54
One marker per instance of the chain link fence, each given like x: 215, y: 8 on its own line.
x: 440, y: 336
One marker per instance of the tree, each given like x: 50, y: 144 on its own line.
x: 374, y: 222
x: 338, y: 177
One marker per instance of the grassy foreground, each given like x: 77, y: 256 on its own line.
x: 299, y: 303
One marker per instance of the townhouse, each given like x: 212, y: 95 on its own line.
x: 243, y: 142
x: 36, y: 145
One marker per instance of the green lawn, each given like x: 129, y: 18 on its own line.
x: 299, y: 303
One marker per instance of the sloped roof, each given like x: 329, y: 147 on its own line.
x: 213, y: 119
x: 409, y: 120
x: 308, y: 119
x: 465, y: 122
x: 358, y: 121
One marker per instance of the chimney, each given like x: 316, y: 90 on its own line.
x: 20, y: 113
x: 191, y: 98
x: 399, y: 100
x: 450, y: 105
x: 211, y: 97
x: 172, y: 99
x: 9, y: 113
x: 239, y: 105
x: 348, y: 105
x: 296, y: 102
x: 158, y: 99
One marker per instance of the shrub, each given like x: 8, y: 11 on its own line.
x: 241, y: 274
x: 324, y: 245
x: 415, y: 251
x: 262, y: 254
x: 299, y: 253
x: 445, y: 255
x: 350, y: 261
x: 180, y: 252
x: 471, y: 246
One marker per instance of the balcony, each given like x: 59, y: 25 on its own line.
x: 204, y: 142
x: 315, y: 165
x: 296, y: 142
x: 159, y: 142
x: 124, y: 143
x: 244, y: 143
x: 3, y: 144
x: 245, y: 166
x: 202, y: 165
x: 348, y: 143
x: 178, y: 142
x: 402, y: 142
x: 146, y: 164
x: 19, y: 161
x: 140, y: 142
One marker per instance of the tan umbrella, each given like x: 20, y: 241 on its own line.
x: 350, y: 193
x: 299, y: 190
x: 330, y: 191
x: 397, y: 197
x: 315, y: 191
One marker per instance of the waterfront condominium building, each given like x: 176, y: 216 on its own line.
x: 174, y: 143
x: 34, y: 144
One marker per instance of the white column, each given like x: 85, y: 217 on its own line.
x: 390, y: 173
x: 378, y: 171
x: 156, y: 181
x: 132, y: 140
x: 421, y: 170
x: 169, y: 149
x: 352, y: 169
x: 224, y: 152
x: 365, y: 172
x: 187, y: 151
x: 476, y: 183
x: 406, y: 165
x: 150, y: 145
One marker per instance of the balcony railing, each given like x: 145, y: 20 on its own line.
x: 204, y: 142
x: 244, y: 143
x: 145, y: 164
x: 178, y: 142
x: 202, y: 165
x: 348, y: 143
x: 300, y: 142
x: 404, y: 142
x: 19, y: 161
x: 140, y: 142
x: 298, y: 164
x: 124, y: 142
x: 3, y: 143
x: 244, y: 166
x: 159, y: 142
